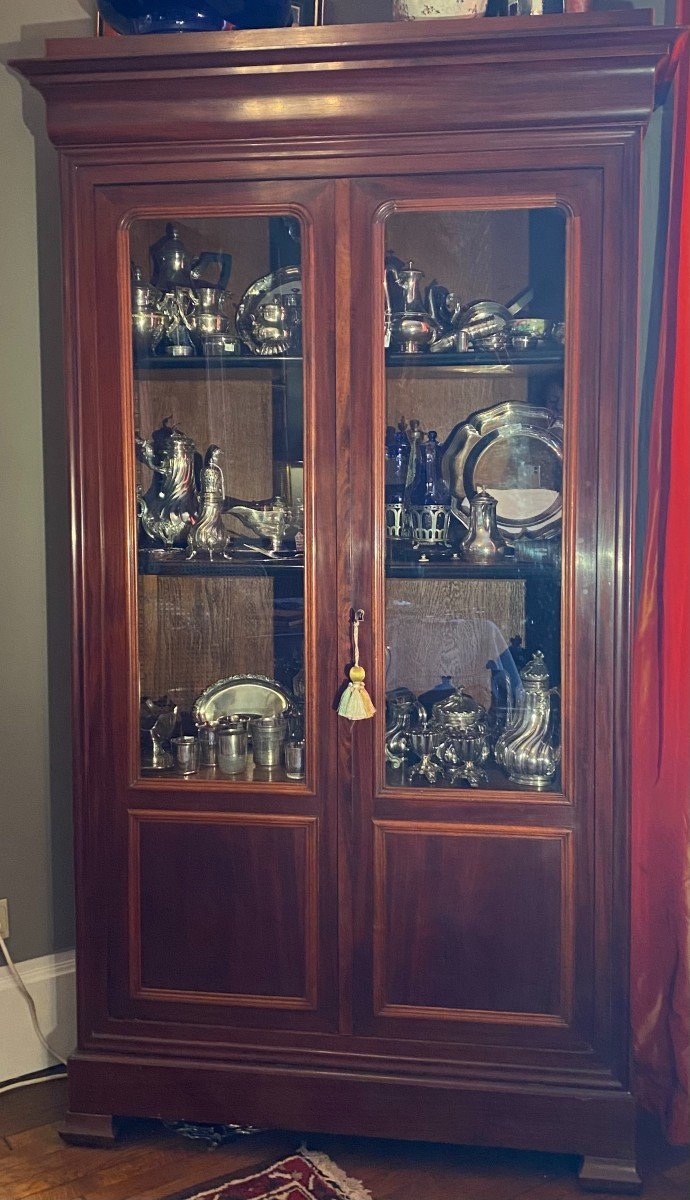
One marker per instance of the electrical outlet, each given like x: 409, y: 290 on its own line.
x: 4, y: 919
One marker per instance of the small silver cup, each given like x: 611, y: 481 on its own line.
x: 208, y: 746
x: 268, y: 735
x: 294, y: 760
x: 232, y: 749
x: 186, y: 751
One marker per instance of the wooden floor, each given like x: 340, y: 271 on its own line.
x: 151, y: 1164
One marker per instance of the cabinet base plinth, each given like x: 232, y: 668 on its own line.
x: 610, y: 1175
x: 89, y: 1129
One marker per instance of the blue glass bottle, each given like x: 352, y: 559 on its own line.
x: 429, y: 486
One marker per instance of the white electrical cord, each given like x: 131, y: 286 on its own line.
x: 22, y: 1083
x: 30, y: 1002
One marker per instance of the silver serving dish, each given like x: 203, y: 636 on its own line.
x: 274, y: 289
x: 537, y: 327
x: 531, y: 511
x: 248, y: 695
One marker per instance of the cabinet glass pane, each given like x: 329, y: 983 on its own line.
x: 217, y: 346
x: 475, y: 333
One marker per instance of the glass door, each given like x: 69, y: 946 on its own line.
x: 219, y: 416
x: 472, y: 799
x: 473, y: 492
x: 225, y: 803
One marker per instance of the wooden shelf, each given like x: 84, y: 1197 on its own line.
x: 511, y: 568
x: 248, y: 567
x: 217, y: 363
x: 541, y: 361
x: 498, y: 783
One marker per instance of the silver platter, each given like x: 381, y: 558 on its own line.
x: 522, y: 512
x: 244, y: 695
x: 284, y: 282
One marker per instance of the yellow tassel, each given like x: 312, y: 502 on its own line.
x: 355, y: 702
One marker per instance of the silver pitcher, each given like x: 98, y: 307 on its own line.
x: 412, y: 328
x: 483, y: 543
x: 528, y: 749
x: 168, y: 510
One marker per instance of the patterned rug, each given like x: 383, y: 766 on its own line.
x: 308, y: 1175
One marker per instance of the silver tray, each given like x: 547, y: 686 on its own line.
x: 270, y: 287
x: 241, y: 695
x: 529, y: 512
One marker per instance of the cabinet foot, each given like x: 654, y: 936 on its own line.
x: 88, y: 1129
x: 610, y: 1175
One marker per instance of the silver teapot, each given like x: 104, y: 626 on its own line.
x: 528, y: 748
x: 172, y: 266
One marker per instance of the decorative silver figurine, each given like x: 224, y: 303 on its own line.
x: 209, y: 535
x: 158, y: 719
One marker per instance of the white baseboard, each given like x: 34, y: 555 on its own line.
x: 52, y: 983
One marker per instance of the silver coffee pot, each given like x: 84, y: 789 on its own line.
x: 169, y: 508
x: 483, y: 543
x: 528, y: 749
x: 411, y: 328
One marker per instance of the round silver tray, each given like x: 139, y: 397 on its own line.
x: 242, y: 695
x: 464, y: 452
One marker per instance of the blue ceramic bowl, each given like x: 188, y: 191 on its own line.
x: 171, y: 16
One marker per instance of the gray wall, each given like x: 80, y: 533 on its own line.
x: 35, y: 799
x: 35, y: 837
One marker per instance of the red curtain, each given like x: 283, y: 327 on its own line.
x: 661, y: 690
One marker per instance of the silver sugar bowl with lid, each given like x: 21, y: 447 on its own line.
x: 463, y: 744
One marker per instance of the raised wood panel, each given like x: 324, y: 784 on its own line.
x: 223, y: 908
x: 489, y: 935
